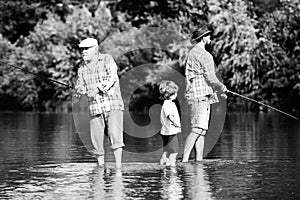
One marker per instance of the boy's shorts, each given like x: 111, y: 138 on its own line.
x: 199, y: 114
x: 170, y: 143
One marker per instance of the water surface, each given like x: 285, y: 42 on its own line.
x: 42, y: 157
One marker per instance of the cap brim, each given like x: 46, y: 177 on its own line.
x: 89, y: 42
x: 84, y: 46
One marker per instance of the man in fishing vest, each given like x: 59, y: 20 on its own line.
x: 98, y: 79
x: 201, y: 87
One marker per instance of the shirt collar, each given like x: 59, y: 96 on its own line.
x: 100, y: 57
x: 169, y: 100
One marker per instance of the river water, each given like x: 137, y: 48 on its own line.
x: 42, y: 157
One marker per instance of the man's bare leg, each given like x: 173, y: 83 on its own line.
x: 200, y: 146
x: 188, y: 146
x: 118, y: 157
x: 100, y: 160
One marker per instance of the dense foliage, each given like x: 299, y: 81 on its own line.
x: 256, y: 50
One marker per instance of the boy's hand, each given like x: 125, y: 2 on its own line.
x: 176, y: 125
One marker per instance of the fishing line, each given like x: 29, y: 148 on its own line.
x: 43, y: 78
x: 262, y: 104
x: 68, y: 86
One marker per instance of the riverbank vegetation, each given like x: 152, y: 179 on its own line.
x: 255, y: 44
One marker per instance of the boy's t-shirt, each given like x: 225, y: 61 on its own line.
x: 169, y: 108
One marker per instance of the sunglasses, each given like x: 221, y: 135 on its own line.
x: 85, y: 48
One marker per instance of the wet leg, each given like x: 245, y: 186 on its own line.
x: 97, y: 136
x: 172, y: 158
x: 200, y: 146
x: 163, y: 158
x: 118, y: 157
x: 188, y: 146
x: 115, y: 132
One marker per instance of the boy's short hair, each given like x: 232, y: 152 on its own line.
x: 167, y: 89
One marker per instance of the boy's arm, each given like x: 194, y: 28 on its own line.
x: 172, y: 119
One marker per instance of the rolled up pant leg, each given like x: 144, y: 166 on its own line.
x: 199, y: 116
x: 114, y: 121
x: 97, y: 126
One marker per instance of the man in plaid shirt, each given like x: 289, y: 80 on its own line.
x: 98, y: 79
x: 201, y: 85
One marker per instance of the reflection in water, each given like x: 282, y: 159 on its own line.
x: 42, y: 158
x: 172, y: 186
x: 135, y: 181
x: 107, y: 184
x: 196, y: 178
x: 32, y: 137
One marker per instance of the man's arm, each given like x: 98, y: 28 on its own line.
x: 190, y: 71
x: 80, y: 87
x: 210, y: 73
x: 109, y: 78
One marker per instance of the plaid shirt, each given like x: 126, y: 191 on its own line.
x: 104, y: 77
x: 200, y: 75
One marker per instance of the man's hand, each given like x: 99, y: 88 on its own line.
x: 223, y: 95
x: 92, y: 93
x: 224, y: 89
x: 223, y: 92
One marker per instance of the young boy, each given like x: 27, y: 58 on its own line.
x: 170, y: 121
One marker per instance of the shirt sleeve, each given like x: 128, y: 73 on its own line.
x: 80, y: 86
x: 209, y: 72
x: 170, y: 109
x: 190, y: 71
x: 110, y: 76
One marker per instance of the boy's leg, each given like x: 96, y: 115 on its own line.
x: 115, y: 131
x: 163, y: 158
x: 174, y: 149
x: 97, y: 126
x: 172, y: 159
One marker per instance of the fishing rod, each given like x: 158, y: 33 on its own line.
x: 262, y: 104
x: 68, y: 86
x: 37, y: 75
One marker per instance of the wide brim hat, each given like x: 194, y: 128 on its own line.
x: 200, y: 33
x: 88, y: 42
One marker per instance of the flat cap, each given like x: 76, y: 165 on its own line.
x: 88, y: 42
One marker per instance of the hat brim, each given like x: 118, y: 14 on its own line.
x: 201, y: 36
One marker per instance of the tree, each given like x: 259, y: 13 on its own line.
x: 234, y: 44
x: 19, y: 17
x: 51, y: 51
x: 281, y: 81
